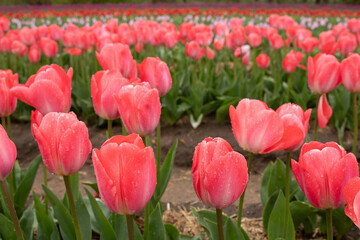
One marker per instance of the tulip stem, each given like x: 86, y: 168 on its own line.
x: 316, y: 120
x: 72, y: 207
x: 109, y: 131
x: 287, y: 192
x: 46, y: 184
x: 355, y: 123
x: 220, y: 223
x: 147, y: 208
x: 158, y: 159
x: 9, y: 127
x: 124, y: 133
x: 329, y: 224
x: 290, y: 86
x: 130, y: 226
x: 3, y: 122
x: 12, y: 211
x: 261, y: 97
x: 241, y: 202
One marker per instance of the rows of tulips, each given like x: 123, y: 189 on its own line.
x: 130, y: 177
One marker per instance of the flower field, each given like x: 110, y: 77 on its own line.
x: 273, y: 78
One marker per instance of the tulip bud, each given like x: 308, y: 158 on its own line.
x: 8, y: 154
x: 8, y: 100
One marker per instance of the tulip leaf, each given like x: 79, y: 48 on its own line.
x: 93, y: 185
x: 201, y: 236
x: 24, y: 188
x: 27, y: 222
x: 265, y: 183
x: 46, y: 226
x: 156, y: 225
x: 6, y: 228
x: 94, y: 223
x: 300, y: 212
x: 268, y: 209
x: 172, y: 232
x: 106, y: 230
x: 277, y: 177
x: 275, y: 229
x: 122, y: 231
x: 62, y: 215
x: 166, y: 170
x: 84, y: 218
x: 231, y: 230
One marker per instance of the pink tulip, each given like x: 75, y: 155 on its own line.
x: 63, y: 141
x: 18, y: 48
x: 276, y: 41
x: 48, y: 46
x: 8, y: 100
x: 254, y: 39
x: 104, y: 84
x: 34, y: 54
x: 350, y: 73
x: 323, y: 73
x: 352, y: 198
x: 353, y: 25
x: 219, y: 174
x: 221, y: 29
x: 291, y: 60
x: 263, y: 61
x: 4, y: 23
x: 296, y: 121
x: 49, y: 90
x: 324, y: 111
x: 155, y: 72
x: 171, y: 39
x: 259, y: 129
x: 347, y: 43
x: 8, y: 154
x: 235, y: 22
x: 322, y: 172
x: 117, y: 57
x: 27, y: 36
x: 139, y: 107
x: 236, y: 38
x: 309, y: 44
x: 218, y: 44
x: 126, y: 173
x: 193, y: 50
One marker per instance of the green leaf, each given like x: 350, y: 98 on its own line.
x: 122, y: 231
x: 166, y: 170
x: 106, y: 230
x: 300, y: 212
x: 268, y: 209
x: 156, y: 225
x: 172, y: 232
x: 24, y: 188
x: 265, y: 183
x: 93, y: 185
x: 277, y: 177
x: 201, y: 236
x: 341, y: 222
x: 62, y: 215
x: 276, y: 225
x: 7, y: 228
x: 94, y: 223
x: 84, y: 218
x: 27, y: 223
x: 45, y: 224
x: 231, y: 230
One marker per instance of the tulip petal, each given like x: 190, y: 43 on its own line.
x: 7, y: 154
x: 324, y: 111
x: 225, y: 179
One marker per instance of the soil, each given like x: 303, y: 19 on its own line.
x: 179, y: 195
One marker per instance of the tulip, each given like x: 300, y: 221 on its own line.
x: 221, y: 29
x: 63, y: 141
x: 236, y: 38
x: 309, y: 44
x: 352, y: 198
x: 104, y: 84
x: 323, y: 77
x: 34, y: 54
x: 117, y: 57
x: 49, y: 90
x: 259, y: 129
x: 18, y: 48
x: 155, y: 72
x: 171, y: 39
x: 139, y: 107
x: 8, y: 100
x: 235, y: 22
x: 263, y: 61
x: 216, y: 165
x: 291, y: 60
x: 276, y: 41
x: 322, y: 172
x: 347, y: 44
x: 27, y: 36
x: 48, y: 46
x: 350, y: 75
x: 254, y: 39
x: 128, y: 189
x: 4, y: 23
x: 353, y: 25
x: 219, y: 174
x: 7, y: 159
x: 8, y: 154
x: 218, y: 44
x: 193, y: 50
